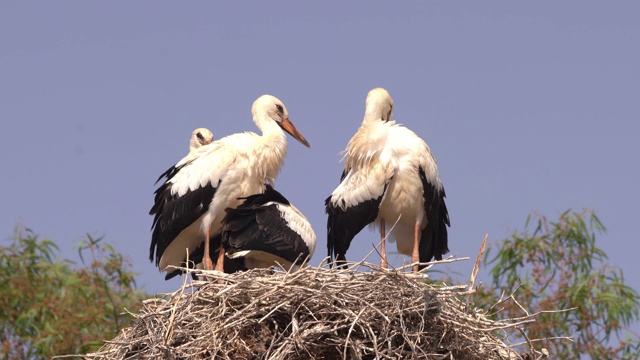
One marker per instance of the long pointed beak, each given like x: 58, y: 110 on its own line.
x: 287, y: 126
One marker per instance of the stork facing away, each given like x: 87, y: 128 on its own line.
x: 190, y: 205
x: 390, y: 177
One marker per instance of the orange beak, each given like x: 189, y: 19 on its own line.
x: 287, y: 126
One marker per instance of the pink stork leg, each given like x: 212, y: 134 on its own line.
x: 383, y: 248
x: 415, y: 256
x: 206, y: 261
x: 220, y: 262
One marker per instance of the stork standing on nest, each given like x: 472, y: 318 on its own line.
x: 389, y: 177
x: 199, y: 138
x: 190, y: 205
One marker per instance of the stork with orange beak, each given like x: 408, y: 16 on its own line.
x: 190, y: 205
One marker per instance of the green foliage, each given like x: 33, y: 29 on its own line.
x: 558, y: 266
x: 50, y: 306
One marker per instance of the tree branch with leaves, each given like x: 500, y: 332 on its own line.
x: 51, y: 306
x: 559, y: 266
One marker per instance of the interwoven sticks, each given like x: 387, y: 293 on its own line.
x: 315, y: 313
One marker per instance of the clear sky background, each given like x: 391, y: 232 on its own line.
x: 526, y: 106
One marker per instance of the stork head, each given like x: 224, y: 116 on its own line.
x: 379, y: 106
x: 200, y: 137
x: 268, y: 107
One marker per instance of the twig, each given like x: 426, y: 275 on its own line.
x: 476, y: 267
x: 346, y: 342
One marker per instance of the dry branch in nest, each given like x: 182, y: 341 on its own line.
x: 363, y: 312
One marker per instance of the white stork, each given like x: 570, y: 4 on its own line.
x: 389, y: 177
x: 190, y: 205
x: 200, y: 137
x: 265, y: 230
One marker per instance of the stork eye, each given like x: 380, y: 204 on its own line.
x: 279, y: 107
x: 199, y: 136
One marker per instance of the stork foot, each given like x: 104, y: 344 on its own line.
x: 207, y: 263
x: 220, y: 262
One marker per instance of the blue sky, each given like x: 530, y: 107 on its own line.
x: 526, y: 106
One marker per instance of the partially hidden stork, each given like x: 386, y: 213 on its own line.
x: 190, y: 205
x: 200, y: 137
x: 389, y: 177
x: 265, y: 230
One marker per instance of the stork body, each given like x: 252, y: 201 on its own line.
x: 190, y: 205
x: 390, y: 179
x: 267, y: 230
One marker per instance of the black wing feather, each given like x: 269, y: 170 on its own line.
x: 434, y: 240
x: 171, y: 172
x: 344, y: 225
x: 253, y: 225
x: 175, y: 213
x: 344, y: 174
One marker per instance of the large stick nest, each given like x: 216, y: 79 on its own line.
x: 362, y: 312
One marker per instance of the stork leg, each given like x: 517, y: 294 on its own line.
x: 206, y: 261
x: 383, y: 248
x: 415, y: 255
x: 220, y: 262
